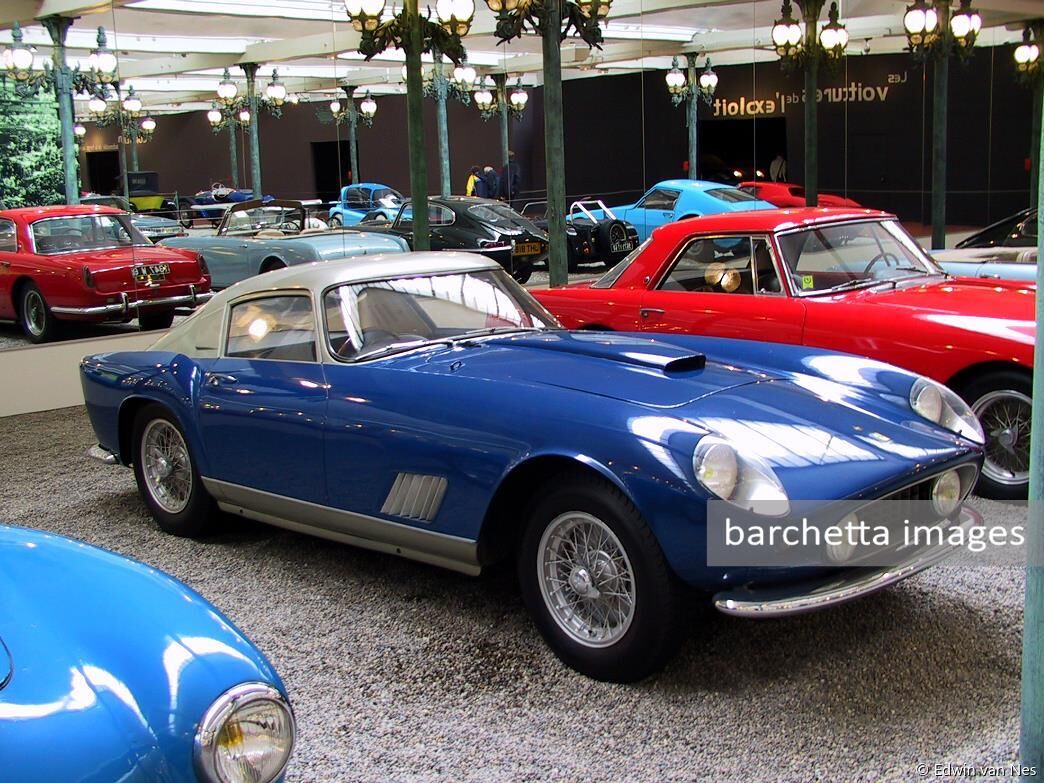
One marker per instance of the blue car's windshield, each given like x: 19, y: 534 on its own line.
x: 386, y: 316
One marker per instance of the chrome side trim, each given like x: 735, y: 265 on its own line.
x: 347, y: 527
x: 415, y: 496
x: 835, y: 589
x: 126, y: 305
x: 102, y: 454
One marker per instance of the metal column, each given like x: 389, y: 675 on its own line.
x: 415, y: 126
x: 442, y: 124
x: 57, y: 27
x: 250, y: 69
x: 939, y: 89
x: 554, y: 153
x: 692, y: 109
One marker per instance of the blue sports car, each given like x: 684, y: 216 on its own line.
x: 113, y: 671
x: 426, y: 405
x: 677, y: 199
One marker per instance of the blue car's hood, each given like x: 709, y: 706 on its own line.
x: 340, y: 244
x: 632, y: 369
x: 113, y: 660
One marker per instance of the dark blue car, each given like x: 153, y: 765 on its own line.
x: 425, y: 405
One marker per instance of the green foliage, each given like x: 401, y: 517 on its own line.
x: 30, y: 150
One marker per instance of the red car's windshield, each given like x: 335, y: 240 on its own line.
x: 74, y: 233
x: 851, y: 255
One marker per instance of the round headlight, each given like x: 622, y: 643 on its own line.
x: 246, y: 736
x: 928, y: 402
x: 717, y: 468
x: 946, y: 493
x: 843, y: 550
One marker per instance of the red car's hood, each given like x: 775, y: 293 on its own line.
x: 979, y: 305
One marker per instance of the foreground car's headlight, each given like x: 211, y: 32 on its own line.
x: 942, y: 406
x: 246, y: 736
x: 741, y: 479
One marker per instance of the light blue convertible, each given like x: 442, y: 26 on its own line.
x: 256, y: 237
x: 113, y: 671
x: 677, y: 199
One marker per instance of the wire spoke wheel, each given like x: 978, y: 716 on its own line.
x: 35, y: 313
x: 166, y: 466
x: 1005, y: 418
x: 586, y: 579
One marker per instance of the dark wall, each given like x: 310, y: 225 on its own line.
x: 189, y: 156
x: 622, y: 134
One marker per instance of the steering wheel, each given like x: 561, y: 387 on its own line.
x: 889, y: 258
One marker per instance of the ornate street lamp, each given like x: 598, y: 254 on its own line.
x: 132, y: 103
x: 293, y: 98
x: 102, y: 61
x: 690, y: 90
x: 553, y: 21
x: 368, y: 108
x: 79, y: 130
x: 227, y: 118
x: 485, y: 100
x: 97, y: 105
x: 227, y: 89
x: 932, y: 32
x: 146, y: 128
x: 518, y: 100
x: 464, y: 77
x: 352, y: 115
x: 126, y: 114
x: 214, y: 116
x: 414, y: 34
x: 244, y: 117
x: 18, y: 61
x: 1027, y: 54
x: 803, y: 48
x: 275, y: 91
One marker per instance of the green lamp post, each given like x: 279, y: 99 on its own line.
x: 805, y: 49
x: 553, y: 21
x: 245, y: 113
x: 125, y: 112
x: 492, y: 99
x: 415, y: 35
x: 1030, y: 69
x: 932, y: 32
x: 352, y: 115
x: 63, y: 80
x: 689, y: 90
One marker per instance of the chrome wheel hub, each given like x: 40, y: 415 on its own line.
x: 1005, y: 418
x: 166, y: 466
x: 34, y: 313
x: 586, y: 579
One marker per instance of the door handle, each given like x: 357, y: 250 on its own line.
x: 647, y: 311
x: 7, y: 264
x: 220, y: 379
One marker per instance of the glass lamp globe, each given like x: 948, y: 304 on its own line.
x: 675, y: 80
x: 244, y: 116
x: 19, y: 60
x: 368, y: 106
x: 708, y: 80
x: 132, y: 103
x: 227, y: 89
x: 276, y: 90
x: 97, y: 105
x: 214, y: 116
x: 79, y: 130
x: 519, y: 98
x: 148, y: 124
x: 335, y: 106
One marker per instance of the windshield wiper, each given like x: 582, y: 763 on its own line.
x: 496, y: 330
x: 862, y: 282
x: 407, y: 345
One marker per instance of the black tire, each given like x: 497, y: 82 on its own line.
x: 195, y: 515
x: 272, y: 264
x: 150, y: 321
x: 185, y: 216
x: 651, y: 635
x: 522, y: 275
x: 606, y: 233
x: 1003, y: 401
x: 34, y: 315
x: 335, y: 221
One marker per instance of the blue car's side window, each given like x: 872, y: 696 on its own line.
x: 276, y: 327
x: 658, y: 198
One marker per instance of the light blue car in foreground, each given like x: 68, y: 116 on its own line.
x: 113, y: 671
x: 677, y: 199
x: 256, y: 237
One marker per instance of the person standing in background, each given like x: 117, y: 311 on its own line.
x: 510, y: 176
x: 778, y: 168
x: 469, y: 189
x: 491, y: 182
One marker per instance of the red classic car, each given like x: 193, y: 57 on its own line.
x: 89, y: 263
x: 844, y: 279
x: 786, y: 194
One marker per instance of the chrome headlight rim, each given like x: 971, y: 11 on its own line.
x: 954, y: 413
x: 218, y: 714
x: 749, y: 468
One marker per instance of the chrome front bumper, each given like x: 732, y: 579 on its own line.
x: 834, y: 589
x: 127, y: 305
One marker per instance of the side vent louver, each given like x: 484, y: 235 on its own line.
x: 414, y: 496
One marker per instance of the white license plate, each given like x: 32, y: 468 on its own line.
x: 145, y: 273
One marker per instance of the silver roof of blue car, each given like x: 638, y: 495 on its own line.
x: 323, y: 274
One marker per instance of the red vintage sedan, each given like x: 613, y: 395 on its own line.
x: 89, y: 263
x: 787, y: 194
x: 844, y: 279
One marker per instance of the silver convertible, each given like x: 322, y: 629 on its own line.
x: 255, y: 237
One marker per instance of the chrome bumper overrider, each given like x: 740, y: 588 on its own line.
x: 126, y: 304
x: 102, y: 454
x: 836, y: 588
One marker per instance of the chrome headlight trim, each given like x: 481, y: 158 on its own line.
x: 220, y: 712
x: 756, y: 487
x: 940, y: 405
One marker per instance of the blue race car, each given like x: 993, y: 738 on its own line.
x: 365, y: 199
x: 111, y: 670
x: 677, y: 199
x: 425, y: 405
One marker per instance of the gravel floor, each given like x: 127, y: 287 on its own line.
x: 403, y: 672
